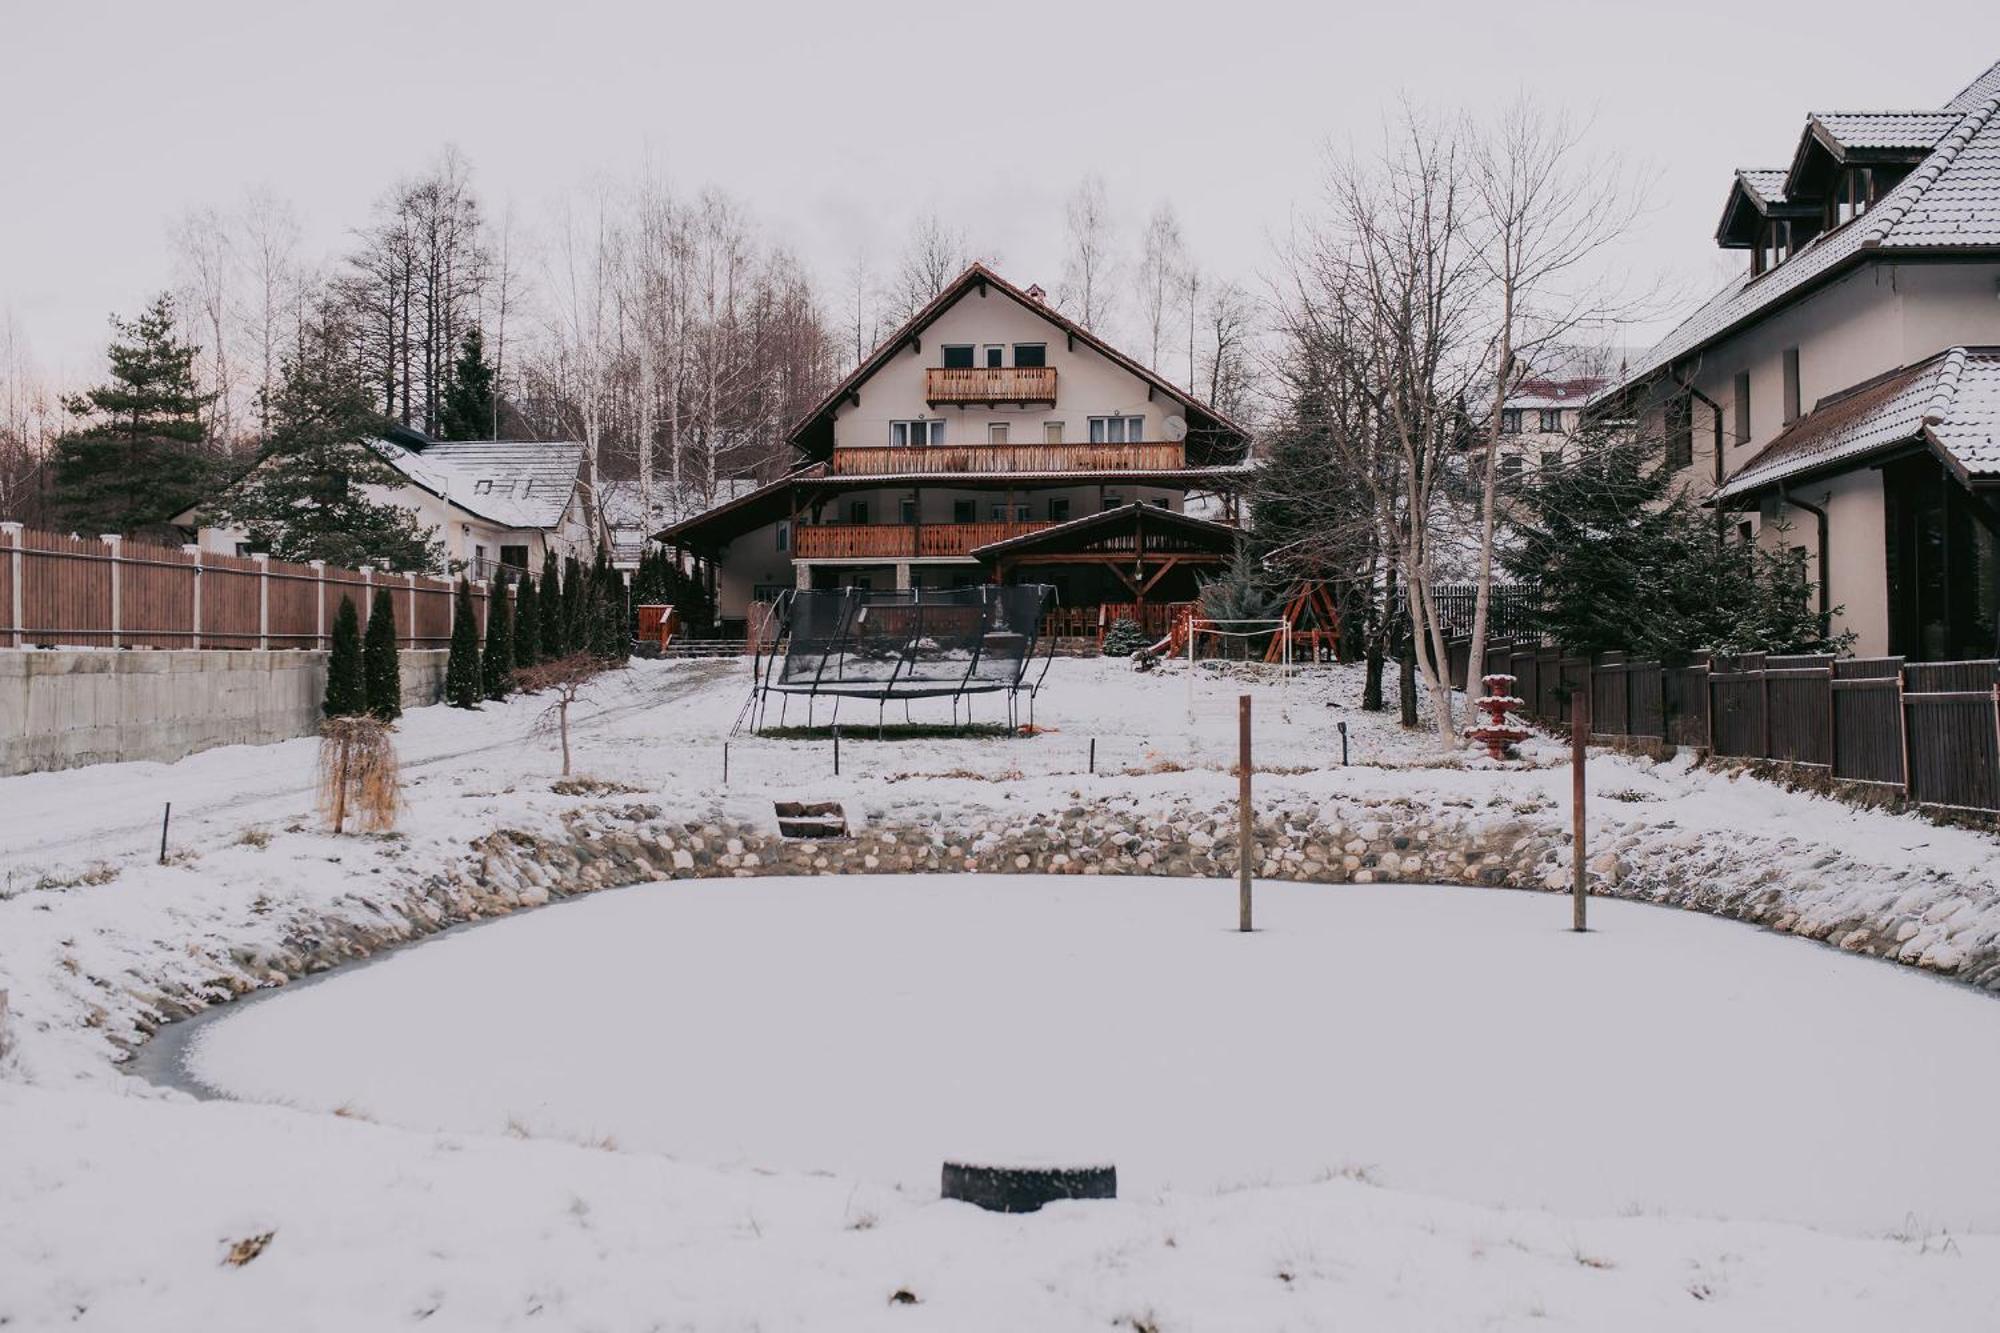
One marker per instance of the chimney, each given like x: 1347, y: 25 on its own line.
x: 1037, y: 295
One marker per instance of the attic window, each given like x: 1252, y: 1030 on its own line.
x: 482, y: 487
x: 1774, y: 245
x: 1851, y: 197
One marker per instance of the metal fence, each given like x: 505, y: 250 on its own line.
x: 1930, y: 730
x: 105, y: 592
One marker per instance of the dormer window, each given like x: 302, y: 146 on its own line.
x: 1774, y: 245
x: 1853, y: 193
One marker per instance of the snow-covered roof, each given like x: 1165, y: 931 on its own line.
x: 515, y: 483
x: 1886, y: 129
x: 1951, y: 400
x: 1768, y: 184
x: 1950, y: 201
x: 632, y: 521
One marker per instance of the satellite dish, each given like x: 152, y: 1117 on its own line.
x: 1176, y: 428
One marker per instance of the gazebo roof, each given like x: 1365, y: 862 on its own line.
x: 1125, y: 531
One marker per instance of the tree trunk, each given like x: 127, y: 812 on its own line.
x: 1406, y: 679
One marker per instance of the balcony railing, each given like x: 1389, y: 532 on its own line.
x: 990, y: 384
x: 900, y: 541
x: 876, y: 461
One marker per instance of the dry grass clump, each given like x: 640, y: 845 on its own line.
x: 358, y: 774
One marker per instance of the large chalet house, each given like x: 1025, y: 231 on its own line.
x: 1841, y: 396
x: 989, y: 439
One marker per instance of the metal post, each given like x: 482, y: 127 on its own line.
x: 725, y: 763
x: 836, y: 749
x: 166, y: 818
x: 1093, y: 754
x: 114, y: 541
x: 319, y: 602
x: 1579, y: 749
x: 411, y: 579
x: 1343, y: 745
x: 263, y: 600
x: 1245, y: 837
x: 194, y: 549
x: 13, y: 534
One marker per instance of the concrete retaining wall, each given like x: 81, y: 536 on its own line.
x: 64, y: 708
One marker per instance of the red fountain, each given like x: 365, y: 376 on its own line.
x: 1499, y: 733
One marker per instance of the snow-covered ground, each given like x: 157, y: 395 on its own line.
x: 871, y: 1026
x: 1836, y: 1085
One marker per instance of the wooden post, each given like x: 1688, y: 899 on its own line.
x: 1579, y: 750
x: 166, y: 817
x: 319, y: 603
x: 411, y: 580
x: 113, y: 541
x: 340, y: 783
x: 1246, y: 842
x: 263, y: 600
x: 13, y: 531
x: 194, y: 549
x: 1093, y: 754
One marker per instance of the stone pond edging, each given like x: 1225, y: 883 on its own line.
x: 619, y: 843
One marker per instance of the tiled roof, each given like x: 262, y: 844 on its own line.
x: 631, y: 526
x: 1979, y: 90
x: 1951, y: 200
x: 1953, y: 397
x: 1887, y: 129
x: 1767, y: 184
x: 515, y: 483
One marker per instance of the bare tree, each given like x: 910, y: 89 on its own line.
x: 934, y: 255
x: 1162, y: 257
x: 206, y: 261
x: 29, y: 417
x: 582, y: 279
x: 1088, y: 265
x: 1227, y: 378
x: 276, y: 287
x: 1547, y: 207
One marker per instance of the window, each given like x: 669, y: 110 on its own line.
x: 1031, y: 354
x: 1551, y: 459
x: 1774, y: 245
x: 1059, y: 509
x: 1510, y: 468
x: 1746, y: 534
x: 1159, y: 502
x: 957, y: 357
x: 484, y: 486
x: 1552, y: 421
x: 999, y: 512
x: 1852, y: 195
x: 994, y: 355
x: 857, y: 511
x: 1117, y: 430
x: 996, y: 432
x: 1113, y: 500
x: 1742, y: 397
x: 1791, y: 385
x: 478, y: 559
x: 1679, y: 433
x: 1510, y: 421
x: 916, y: 432
x: 964, y: 511
x: 514, y: 557
x: 784, y: 535
x: 1052, y: 432
x: 907, y: 511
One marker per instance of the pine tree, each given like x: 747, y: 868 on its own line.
x: 468, y: 401
x: 496, y: 664
x: 575, y: 625
x: 307, y: 499
x: 138, y: 456
x: 346, y: 691
x: 609, y: 641
x: 549, y: 599
x: 381, y: 665
x: 462, y: 684
x: 1123, y: 638
x: 527, y: 625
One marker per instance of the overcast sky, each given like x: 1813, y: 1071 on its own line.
x: 838, y: 122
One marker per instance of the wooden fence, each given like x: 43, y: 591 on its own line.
x: 105, y: 592
x: 1930, y: 730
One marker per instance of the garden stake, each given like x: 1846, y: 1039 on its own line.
x: 164, y: 819
x: 1579, y: 736
x: 1243, y: 819
x: 1343, y: 745
x: 1093, y: 754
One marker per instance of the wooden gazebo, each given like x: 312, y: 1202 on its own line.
x: 1156, y: 554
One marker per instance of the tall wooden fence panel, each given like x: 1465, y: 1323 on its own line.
x: 1865, y: 694
x: 1798, y: 699
x: 1952, y: 733
x: 59, y: 591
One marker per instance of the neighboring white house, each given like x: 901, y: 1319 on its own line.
x: 632, y: 521
x: 1540, y: 421
x: 496, y: 505
x: 1841, y: 397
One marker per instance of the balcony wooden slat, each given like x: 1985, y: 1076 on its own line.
x: 901, y: 541
x: 990, y: 384
x: 890, y: 460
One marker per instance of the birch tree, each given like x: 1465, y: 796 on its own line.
x: 1162, y: 257
x: 1086, y: 290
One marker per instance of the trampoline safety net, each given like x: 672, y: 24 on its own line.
x: 907, y: 643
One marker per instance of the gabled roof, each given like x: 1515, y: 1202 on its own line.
x: 1949, y: 202
x: 514, y: 483
x: 1950, y: 401
x: 1884, y: 130
x: 1174, y: 532
x: 1979, y: 90
x: 1209, y: 430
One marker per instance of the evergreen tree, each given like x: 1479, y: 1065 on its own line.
x: 1123, y: 638
x: 467, y: 413
x: 1627, y: 564
x: 346, y: 691
x: 381, y: 665
x: 462, y: 683
x: 306, y: 499
x: 138, y: 456
x: 575, y: 623
x: 496, y: 664
x: 527, y: 625
x: 549, y: 599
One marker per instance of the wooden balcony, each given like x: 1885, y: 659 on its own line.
x: 899, y: 541
x: 990, y: 384
x: 878, y: 461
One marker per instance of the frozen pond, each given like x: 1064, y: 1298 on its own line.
x: 1453, y: 1041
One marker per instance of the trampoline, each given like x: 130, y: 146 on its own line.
x: 885, y: 644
